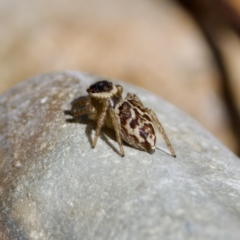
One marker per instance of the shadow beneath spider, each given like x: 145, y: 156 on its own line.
x: 105, y: 133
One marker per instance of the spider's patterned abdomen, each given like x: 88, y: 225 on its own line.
x: 137, y: 128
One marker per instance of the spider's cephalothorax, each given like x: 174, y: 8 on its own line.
x: 131, y: 121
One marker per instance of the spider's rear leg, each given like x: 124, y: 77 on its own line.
x: 161, y: 130
x: 100, y: 122
x: 117, y: 129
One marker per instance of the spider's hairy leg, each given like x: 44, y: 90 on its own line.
x: 80, y: 107
x: 100, y: 122
x: 161, y: 130
x: 81, y: 102
x: 117, y: 129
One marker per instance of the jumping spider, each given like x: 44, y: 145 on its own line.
x: 131, y: 121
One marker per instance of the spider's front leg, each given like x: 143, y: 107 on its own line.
x: 117, y: 128
x: 161, y: 130
x: 100, y: 122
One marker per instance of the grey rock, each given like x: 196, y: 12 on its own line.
x: 53, y: 185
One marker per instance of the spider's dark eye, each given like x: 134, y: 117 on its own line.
x: 101, y: 86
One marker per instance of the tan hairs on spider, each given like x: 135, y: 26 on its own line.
x: 131, y: 121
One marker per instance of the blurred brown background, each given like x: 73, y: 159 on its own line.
x: 186, y: 51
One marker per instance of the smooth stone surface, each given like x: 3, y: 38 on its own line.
x: 53, y: 185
